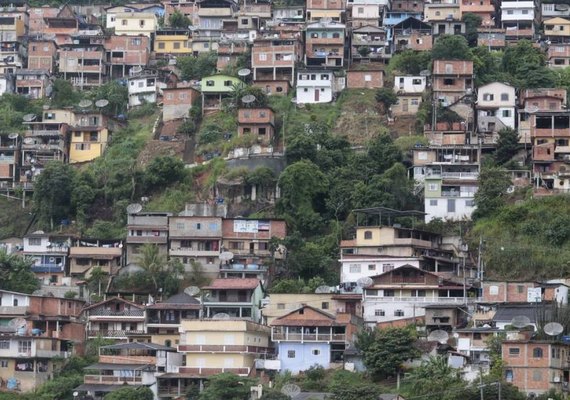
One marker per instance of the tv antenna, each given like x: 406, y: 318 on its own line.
x: 439, y: 335
x: 291, y: 390
x: 13, y: 136
x: 520, y: 321
x: 221, y: 316
x: 529, y: 109
x: 134, y: 208
x: 425, y: 72
x: 226, y: 256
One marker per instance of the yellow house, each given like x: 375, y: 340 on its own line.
x: 227, y: 345
x: 135, y: 23
x: 172, y: 41
x: 89, y: 137
x: 557, y: 27
x: 442, y: 12
x: 283, y: 303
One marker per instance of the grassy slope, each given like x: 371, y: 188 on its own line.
x: 13, y: 218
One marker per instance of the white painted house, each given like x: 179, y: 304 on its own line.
x: 409, y: 84
x: 495, y: 107
x: 315, y: 87
x: 142, y: 89
x: 353, y: 269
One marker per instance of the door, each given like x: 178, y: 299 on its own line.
x: 317, y: 94
x: 404, y: 105
x: 450, y: 205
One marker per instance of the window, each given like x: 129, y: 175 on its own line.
x: 506, y: 113
x: 316, y: 352
x: 449, y: 82
x: 537, y: 375
x: 141, y: 23
x: 176, y: 45
x: 379, y: 313
x: 488, y: 97
x: 262, y: 57
x: 537, y: 352
x: 372, y: 267
x: 136, y: 42
x: 35, y: 241
x: 387, y: 267
x: 520, y: 289
x: 360, y: 10
x: 450, y: 205
x: 336, y: 35
x: 124, y: 22
x: 432, y: 187
x: 514, y: 352
x: 244, y: 21
x: 15, y: 302
x: 367, y: 78
x: 82, y: 146
x: 4, y: 344
x: 433, y: 203
x: 324, y: 77
x: 325, y: 305
x: 504, y: 97
x: 291, y: 354
x: 470, y: 203
x: 388, y: 293
x: 476, y: 336
x: 398, y: 313
x: 228, y: 83
x: 24, y: 346
x: 510, y: 12
x: 209, y: 83
x: 3, y: 363
x: 437, y: 13
x: 354, y: 268
x: 509, y: 375
x: 525, y: 12
x: 367, y: 235
x: 418, y: 293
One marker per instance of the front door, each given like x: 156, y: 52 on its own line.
x: 317, y: 94
x: 404, y: 105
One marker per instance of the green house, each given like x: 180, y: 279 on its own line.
x: 215, y: 88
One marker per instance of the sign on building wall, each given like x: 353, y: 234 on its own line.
x: 250, y: 226
x: 534, y: 295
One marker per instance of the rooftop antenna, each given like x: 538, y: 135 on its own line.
x: 29, y: 117
x: 192, y: 290
x: 134, y: 208
x: 102, y: 103
x: 364, y: 282
x: 553, y: 329
x: 85, y: 103
x: 439, y: 335
x: 520, y: 321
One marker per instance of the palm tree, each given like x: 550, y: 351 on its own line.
x: 152, y: 262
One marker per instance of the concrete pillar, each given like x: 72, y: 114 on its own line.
x: 253, y: 192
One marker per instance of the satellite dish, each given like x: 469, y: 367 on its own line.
x: 439, y: 336
x: 511, y: 189
x: 531, y: 109
x: 226, y: 256
x: 102, y: 103
x: 28, y: 140
x: 136, y: 69
x: 244, y: 72
x: 13, y: 136
x: 221, y: 316
x: 322, y: 289
x: 85, y: 103
x: 248, y: 98
x: 553, y: 329
x: 17, y: 323
x: 75, y: 394
x: 192, y: 290
x: 425, y: 72
x: 520, y: 321
x: 29, y: 117
x: 193, y: 28
x: 134, y: 208
x: 364, y: 282
x: 291, y: 390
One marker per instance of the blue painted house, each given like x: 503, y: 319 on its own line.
x: 308, y: 336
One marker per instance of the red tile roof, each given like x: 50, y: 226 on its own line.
x: 229, y: 283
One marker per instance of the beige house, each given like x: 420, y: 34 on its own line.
x: 557, y: 28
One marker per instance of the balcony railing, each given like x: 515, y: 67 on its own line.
x: 458, y: 194
x: 112, y: 380
x: 111, y: 313
x: 460, y: 175
x: 206, y: 371
x: 113, y: 334
x: 208, y: 348
x: 438, y: 300
x: 308, y: 337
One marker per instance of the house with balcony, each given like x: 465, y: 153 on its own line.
x: 42, y: 54
x: 112, y: 13
x: 335, y: 10
x: 394, y: 17
x: 411, y: 33
x: 558, y: 55
x: 45, y: 139
x: 259, y: 122
x: 354, y: 267
x: 309, y: 336
x: 472, y: 342
x: 403, y: 293
x: 236, y: 297
x: 229, y: 52
x: 164, y: 318
x: 519, y: 19
x: 447, y: 317
x: 496, y: 109
x: 557, y: 30
x: 142, y: 89
x: 115, y: 319
x: 533, y: 101
x: 123, y: 53
x: 482, y: 8
x: 196, y: 239
x: 82, y: 62
x: 133, y: 23
x: 445, y: 18
x: 211, y: 347
x: 212, y: 14
x: 146, y: 228
x: 37, y: 19
x: 31, y: 83
x: 87, y: 254
x: 366, y: 12
x: 49, y: 254
x: 89, y: 136
x: 292, y: 12
x: 492, y: 38
x: 275, y: 56
x: 59, y: 25
x: 13, y: 27
x: 214, y: 89
x: 9, y: 158
x: 134, y: 364
x: 409, y: 90
x: 369, y: 45
x: 248, y: 241
x: 452, y: 86
x: 551, y: 10
x: 172, y: 42
x: 324, y: 44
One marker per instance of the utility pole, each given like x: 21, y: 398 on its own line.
x: 481, y: 386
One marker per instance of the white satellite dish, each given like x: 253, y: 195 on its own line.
x: 13, y: 136
x: 29, y: 117
x: 425, y: 72
x: 244, y: 72
x: 28, y: 140
x: 85, y: 103
x: 439, y: 336
x: 192, y: 290
x: 291, y: 390
x: 136, y: 69
x: 364, y: 282
x: 134, y: 208
x: 322, y: 289
x: 221, y: 316
x: 102, y: 103
x: 248, y: 99
x: 17, y: 323
x: 531, y: 109
x: 193, y: 28
x: 553, y: 329
x: 520, y: 321
x: 226, y: 255
x: 511, y: 189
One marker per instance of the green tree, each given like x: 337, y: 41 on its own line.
x: 162, y: 171
x: 410, y: 62
x: 227, y: 386
x: 472, y: 22
x: 179, y: 20
x: 97, y: 279
x: 64, y: 95
x: 195, y: 68
x: 434, y: 375
x: 116, y: 94
x: 274, y: 395
x: 386, y: 97
x: 16, y: 273
x: 507, y: 145
x: 451, y: 47
x: 128, y: 393
x: 361, y: 391
x: 391, y: 347
x: 152, y: 262
x: 52, y: 194
x: 490, y: 196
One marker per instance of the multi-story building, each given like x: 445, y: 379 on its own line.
x: 276, y: 58
x: 411, y: 33
x: 85, y: 255
x: 483, y: 8
x: 115, y: 319
x: 369, y: 44
x: 236, y: 298
x: 496, y: 108
x: 61, y: 25
x: 551, y: 10
x: 519, y: 18
x: 316, y: 86
x: 9, y: 158
x: 215, y: 88
x: 13, y: 27
x: 558, y: 55
x: 123, y: 53
x: 445, y: 18
x: 409, y: 90
x: 293, y: 12
x: 533, y: 101
x: 142, y: 88
x: 366, y: 12
x: 324, y: 44
x: 89, y: 136
x: 472, y: 342
x: 42, y: 54
x: 494, y: 292
x: 133, y: 23
x: 172, y: 42
x: 229, y: 52
x: 177, y: 101
x: 212, y: 14
x: 326, y: 9
x: 31, y: 83
x: 309, y: 336
x: 146, y: 228
x: 492, y: 38
x: 259, y: 122
x: 196, y: 239
x: 452, y: 86
x: 83, y: 60
x: 557, y: 30
x: 49, y: 254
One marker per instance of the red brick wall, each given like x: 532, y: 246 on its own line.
x: 357, y: 80
x: 270, y: 87
x: 6, y: 170
x: 54, y: 306
x: 277, y: 228
x: 178, y: 96
x: 529, y: 373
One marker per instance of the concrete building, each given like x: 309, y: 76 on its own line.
x: 214, y: 88
x: 32, y: 83
x: 115, y: 319
x: 42, y: 54
x: 143, y: 228
x: 49, y: 254
x: 326, y: 9
x: 518, y: 18
x: 172, y: 42
x: 496, y: 108
x: 142, y: 89
x: 85, y: 255
x: 259, y: 122
x: 89, y: 136
x: 236, y: 297
x: 409, y: 90
x: 275, y: 56
x: 123, y: 53
x: 133, y: 23
x: 324, y: 44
